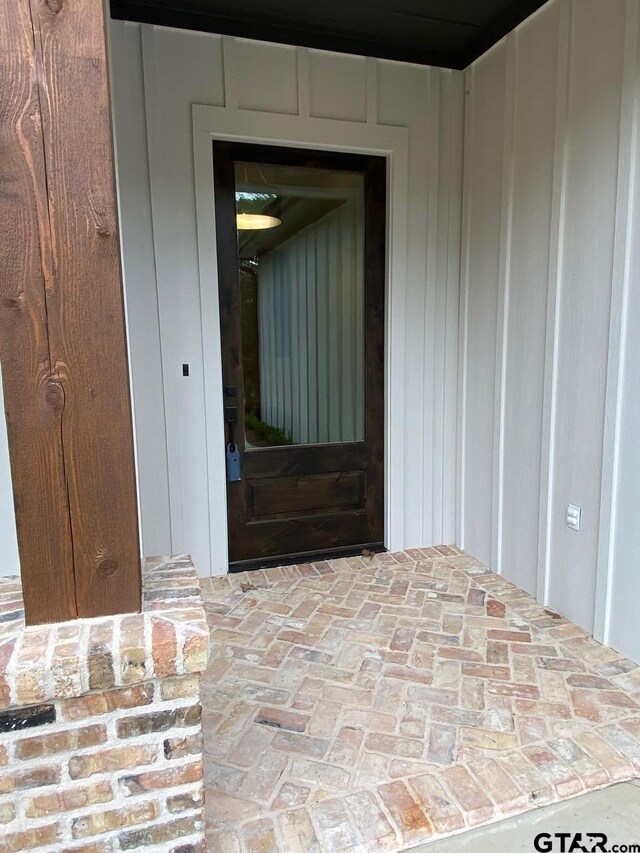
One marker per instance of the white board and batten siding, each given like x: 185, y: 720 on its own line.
x: 550, y: 367
x: 181, y: 473
x: 539, y: 371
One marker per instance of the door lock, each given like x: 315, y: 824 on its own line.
x: 234, y: 463
x: 233, y: 458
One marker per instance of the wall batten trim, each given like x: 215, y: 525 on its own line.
x: 304, y: 97
x: 502, y: 325
x: 467, y: 198
x: 438, y: 482
x: 372, y: 90
x: 455, y: 83
x: 230, y: 72
x: 431, y: 444
x: 554, y: 286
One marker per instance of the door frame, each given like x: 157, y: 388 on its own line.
x: 251, y: 126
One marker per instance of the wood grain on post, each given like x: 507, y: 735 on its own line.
x: 62, y: 333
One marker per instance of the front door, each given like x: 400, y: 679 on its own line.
x: 301, y: 269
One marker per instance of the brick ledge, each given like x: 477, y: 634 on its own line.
x: 66, y: 660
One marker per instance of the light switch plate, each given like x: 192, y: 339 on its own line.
x: 573, y: 516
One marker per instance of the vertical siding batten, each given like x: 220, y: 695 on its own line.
x: 440, y: 278
x: 502, y: 325
x: 554, y: 290
x: 463, y: 321
x: 372, y: 90
x: 452, y: 148
x: 303, y: 82
x: 230, y: 76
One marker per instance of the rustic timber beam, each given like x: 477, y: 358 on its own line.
x: 62, y: 333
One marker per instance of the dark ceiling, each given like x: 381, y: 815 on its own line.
x: 448, y: 33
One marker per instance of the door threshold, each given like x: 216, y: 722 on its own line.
x: 305, y: 557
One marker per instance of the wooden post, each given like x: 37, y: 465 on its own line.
x: 62, y: 333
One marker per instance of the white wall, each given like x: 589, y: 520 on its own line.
x: 178, y: 69
x: 549, y: 385
x: 311, y: 319
x: 136, y: 236
x: 9, y: 560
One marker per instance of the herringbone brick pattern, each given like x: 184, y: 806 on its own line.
x: 372, y: 703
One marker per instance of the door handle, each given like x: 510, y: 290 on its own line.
x: 233, y: 458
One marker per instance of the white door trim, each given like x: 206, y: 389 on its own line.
x: 211, y: 123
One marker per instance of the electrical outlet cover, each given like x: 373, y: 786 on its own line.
x: 574, y: 514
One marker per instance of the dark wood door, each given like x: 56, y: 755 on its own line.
x: 301, y: 266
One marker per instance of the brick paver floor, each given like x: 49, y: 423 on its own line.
x: 372, y: 703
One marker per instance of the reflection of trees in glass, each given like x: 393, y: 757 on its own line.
x: 253, y: 202
x: 261, y: 434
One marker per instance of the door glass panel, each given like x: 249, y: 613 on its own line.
x: 301, y: 261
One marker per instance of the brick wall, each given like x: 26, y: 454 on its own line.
x: 110, y: 756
